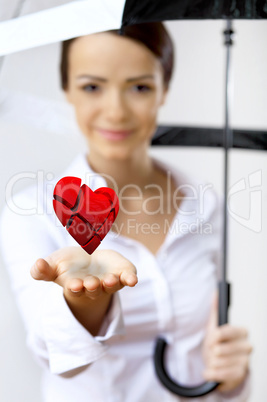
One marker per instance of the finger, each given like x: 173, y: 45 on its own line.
x: 227, y: 333
x: 91, y: 283
x: 41, y: 270
x: 128, y: 278
x: 213, y: 316
x: 92, y: 286
x: 228, y: 374
x: 238, y: 347
x: 74, y: 287
x: 228, y: 362
x: 111, y: 283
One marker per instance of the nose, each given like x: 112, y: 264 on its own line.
x: 116, y: 108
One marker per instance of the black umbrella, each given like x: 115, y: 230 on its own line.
x: 160, y: 10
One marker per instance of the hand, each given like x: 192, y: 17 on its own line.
x: 81, y: 274
x: 88, y: 280
x: 226, y: 353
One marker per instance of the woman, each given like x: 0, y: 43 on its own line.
x: 95, y: 333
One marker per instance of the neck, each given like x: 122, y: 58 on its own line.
x: 137, y: 170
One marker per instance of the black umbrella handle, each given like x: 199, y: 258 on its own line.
x: 206, y: 387
x: 175, y: 388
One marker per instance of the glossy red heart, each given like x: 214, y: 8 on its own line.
x: 87, y: 215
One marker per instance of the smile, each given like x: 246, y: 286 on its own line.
x: 114, y: 135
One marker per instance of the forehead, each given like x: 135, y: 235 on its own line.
x: 104, y: 51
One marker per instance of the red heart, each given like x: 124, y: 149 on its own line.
x: 88, y: 215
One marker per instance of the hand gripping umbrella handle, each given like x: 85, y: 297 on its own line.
x: 206, y: 387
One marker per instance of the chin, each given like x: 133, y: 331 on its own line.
x: 119, y: 155
x: 120, y: 152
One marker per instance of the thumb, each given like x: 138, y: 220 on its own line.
x: 213, y: 317
x: 211, y: 326
x: 41, y: 270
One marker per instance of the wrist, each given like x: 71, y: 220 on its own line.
x: 90, y: 313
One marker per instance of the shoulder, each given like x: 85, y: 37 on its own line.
x: 31, y: 210
x: 36, y: 199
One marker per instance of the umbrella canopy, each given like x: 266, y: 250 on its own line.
x: 153, y: 10
x: 67, y: 19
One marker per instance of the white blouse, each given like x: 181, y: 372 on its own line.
x: 172, y: 299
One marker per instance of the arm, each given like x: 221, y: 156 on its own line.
x: 88, y: 282
x: 55, y: 336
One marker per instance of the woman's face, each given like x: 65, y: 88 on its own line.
x: 116, y: 87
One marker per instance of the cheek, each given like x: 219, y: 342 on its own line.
x: 148, y: 113
x: 84, y: 115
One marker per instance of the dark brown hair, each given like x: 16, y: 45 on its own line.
x: 153, y: 35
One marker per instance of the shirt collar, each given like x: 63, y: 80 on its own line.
x: 81, y: 168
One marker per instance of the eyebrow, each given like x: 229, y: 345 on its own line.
x: 141, y: 77
x: 96, y: 78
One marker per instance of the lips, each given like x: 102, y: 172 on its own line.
x: 114, y: 135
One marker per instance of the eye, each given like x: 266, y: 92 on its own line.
x: 142, y: 88
x: 91, y: 88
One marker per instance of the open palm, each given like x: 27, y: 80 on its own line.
x: 83, y: 274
